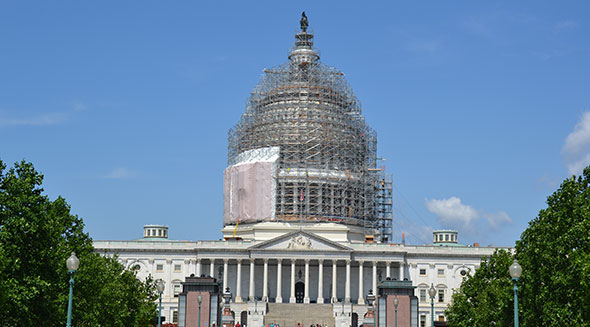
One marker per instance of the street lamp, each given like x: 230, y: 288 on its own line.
x: 160, y: 288
x: 370, y: 316
x: 515, y: 272
x: 72, y: 263
x: 227, y: 319
x: 395, y: 303
x: 199, y: 300
x: 370, y: 298
x: 432, y: 293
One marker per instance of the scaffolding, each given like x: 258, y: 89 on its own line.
x: 384, y: 201
x: 326, y: 169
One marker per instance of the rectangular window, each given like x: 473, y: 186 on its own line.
x: 447, y: 237
x: 441, y: 318
x: 422, y: 320
x: 441, y: 295
x: 422, y: 295
x: 176, y: 289
x: 175, y: 316
x: 441, y: 272
x: 177, y: 268
x: 159, y: 267
x: 422, y: 272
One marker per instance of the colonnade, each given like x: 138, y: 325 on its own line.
x: 362, y: 290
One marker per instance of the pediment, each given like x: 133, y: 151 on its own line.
x: 300, y: 241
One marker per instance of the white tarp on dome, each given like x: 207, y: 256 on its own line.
x: 249, y: 186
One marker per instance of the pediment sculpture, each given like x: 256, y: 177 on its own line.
x: 299, y: 243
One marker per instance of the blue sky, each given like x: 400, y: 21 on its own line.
x: 481, y: 108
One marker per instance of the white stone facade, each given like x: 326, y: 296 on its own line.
x: 272, y: 269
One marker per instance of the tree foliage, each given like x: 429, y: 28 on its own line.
x: 554, y: 252
x: 37, y: 235
x: 485, y: 299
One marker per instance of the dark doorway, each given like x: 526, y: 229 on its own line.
x: 244, y: 318
x: 299, y: 292
x: 355, y: 320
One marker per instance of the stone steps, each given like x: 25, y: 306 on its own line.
x: 289, y: 314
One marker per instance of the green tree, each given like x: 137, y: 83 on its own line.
x: 484, y: 299
x: 111, y: 295
x: 37, y: 235
x: 554, y: 252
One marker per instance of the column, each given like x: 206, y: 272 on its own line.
x: 347, y: 283
x: 292, y: 298
x: 374, y: 277
x: 279, y: 298
x: 361, y: 300
x: 265, y: 281
x: 334, y: 280
x: 387, y: 270
x: 169, y: 268
x: 198, y: 274
x: 320, y: 299
x: 251, y: 293
x: 190, y: 267
x: 402, y: 269
x: 306, y: 294
x: 152, y: 264
x: 212, y: 268
x: 225, y: 261
x: 239, y: 283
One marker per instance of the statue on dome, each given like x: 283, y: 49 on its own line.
x: 304, y: 23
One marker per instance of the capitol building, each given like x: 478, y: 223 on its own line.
x: 307, y: 218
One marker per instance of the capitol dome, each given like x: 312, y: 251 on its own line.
x: 302, y: 150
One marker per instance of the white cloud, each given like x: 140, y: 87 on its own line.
x: 451, y: 212
x: 565, y: 25
x: 579, y: 139
x: 120, y: 173
x: 576, y: 149
x: 41, y: 120
x: 454, y: 214
x: 79, y: 106
x: 576, y: 167
x: 479, y: 27
x: 549, y: 54
x: 496, y: 220
x: 547, y: 182
x: 429, y: 46
x: 424, y: 44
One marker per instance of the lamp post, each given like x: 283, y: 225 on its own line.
x: 72, y: 263
x: 199, y: 300
x: 160, y: 288
x: 369, y: 320
x: 395, y: 303
x: 515, y: 272
x: 432, y: 293
x: 227, y: 319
